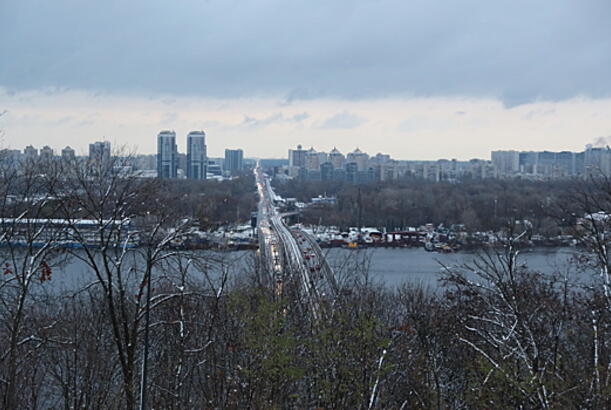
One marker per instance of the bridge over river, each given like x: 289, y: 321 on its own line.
x: 289, y: 254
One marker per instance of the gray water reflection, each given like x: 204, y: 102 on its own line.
x: 391, y: 266
x: 394, y: 266
x: 75, y: 274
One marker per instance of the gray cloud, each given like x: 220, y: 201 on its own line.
x: 517, y: 50
x: 169, y: 118
x: 343, y: 120
x: 275, y: 118
x: 300, y: 117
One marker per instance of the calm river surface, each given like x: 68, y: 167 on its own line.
x: 394, y: 266
x: 386, y: 265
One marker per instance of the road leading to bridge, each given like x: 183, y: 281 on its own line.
x: 290, y: 254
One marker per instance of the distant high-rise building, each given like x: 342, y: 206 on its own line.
x: 215, y: 166
x: 359, y: 158
x: 565, y: 163
x: 597, y: 161
x: 46, y: 153
x: 297, y: 157
x: 337, y: 159
x: 432, y: 171
x: 546, y: 163
x: 68, y: 154
x: 326, y: 171
x: 352, y: 172
x: 506, y: 162
x: 167, y: 155
x: 197, y: 158
x: 99, y: 151
x: 30, y: 153
x: 579, y: 158
x: 528, y: 162
x: 234, y: 160
x: 313, y: 159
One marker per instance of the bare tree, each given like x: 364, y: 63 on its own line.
x: 592, y: 203
x: 29, y: 250
x: 124, y: 227
x: 515, y: 321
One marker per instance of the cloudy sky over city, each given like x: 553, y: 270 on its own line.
x: 416, y: 79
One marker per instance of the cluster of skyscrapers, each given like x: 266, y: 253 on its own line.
x: 358, y: 166
x: 197, y: 165
x: 167, y: 155
x: 166, y: 163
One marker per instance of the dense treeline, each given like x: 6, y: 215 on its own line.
x: 479, y: 204
x: 183, y: 330
x: 214, y: 203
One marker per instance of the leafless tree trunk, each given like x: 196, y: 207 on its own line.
x: 133, y: 230
x: 29, y: 249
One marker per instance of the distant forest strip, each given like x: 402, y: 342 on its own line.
x: 481, y: 205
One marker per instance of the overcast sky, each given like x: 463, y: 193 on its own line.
x: 416, y: 79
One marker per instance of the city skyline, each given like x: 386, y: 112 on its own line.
x: 323, y: 148
x: 436, y: 128
x: 355, y: 166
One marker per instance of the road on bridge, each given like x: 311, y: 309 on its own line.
x: 290, y: 253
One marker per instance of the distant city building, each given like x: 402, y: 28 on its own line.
x: 30, y: 152
x: 565, y: 164
x: 327, y: 171
x: 506, y: 162
x: 68, y: 154
x: 359, y: 158
x: 234, y: 161
x: 167, y: 155
x: 215, y: 166
x: 528, y: 162
x: 481, y: 169
x: 197, y: 156
x: 46, y: 153
x: 337, y: 159
x: 146, y: 162
x: 313, y: 159
x: 540, y: 164
x: 597, y: 161
x: 99, y: 151
x: 297, y: 157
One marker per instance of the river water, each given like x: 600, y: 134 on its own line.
x: 389, y: 266
x: 394, y: 266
